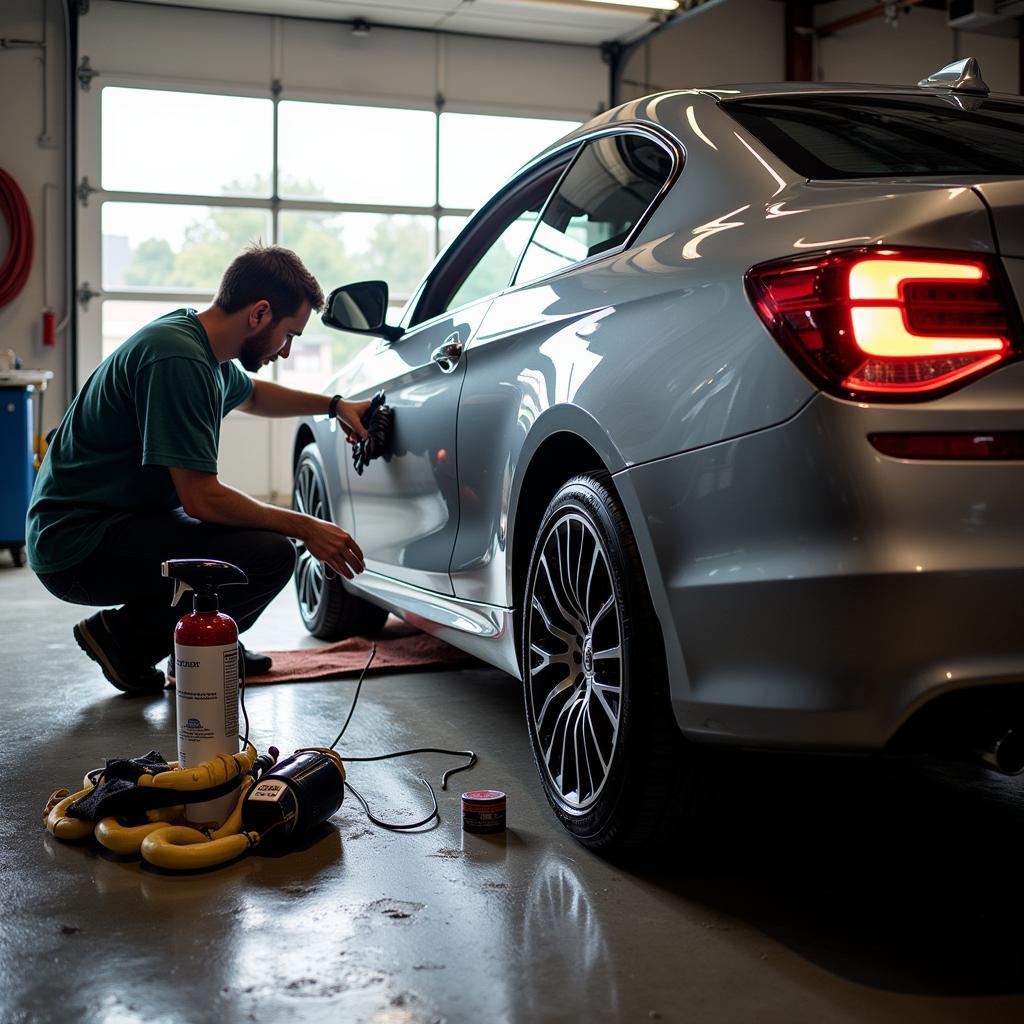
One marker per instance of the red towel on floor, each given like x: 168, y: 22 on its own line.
x: 399, y: 648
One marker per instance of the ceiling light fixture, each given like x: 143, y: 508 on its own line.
x: 647, y: 5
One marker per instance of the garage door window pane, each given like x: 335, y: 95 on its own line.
x: 186, y: 143
x: 122, y: 318
x: 151, y: 246
x: 318, y: 355
x: 604, y: 195
x: 480, y: 152
x: 351, y: 154
x: 340, y: 248
x: 450, y: 227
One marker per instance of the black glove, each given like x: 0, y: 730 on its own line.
x: 379, y: 421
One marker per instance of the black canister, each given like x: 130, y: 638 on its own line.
x: 294, y: 797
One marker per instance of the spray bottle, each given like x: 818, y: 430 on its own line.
x: 206, y: 674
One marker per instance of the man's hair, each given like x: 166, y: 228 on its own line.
x: 268, y: 272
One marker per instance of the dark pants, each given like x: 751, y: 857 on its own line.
x: 125, y: 570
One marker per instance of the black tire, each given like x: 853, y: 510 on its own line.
x: 627, y: 778
x: 327, y: 610
x: 18, y: 554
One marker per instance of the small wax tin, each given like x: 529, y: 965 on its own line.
x: 483, y: 810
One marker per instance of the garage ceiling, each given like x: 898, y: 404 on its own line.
x: 556, y: 21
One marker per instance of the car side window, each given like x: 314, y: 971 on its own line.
x: 605, y: 193
x: 493, y: 270
x: 482, y: 260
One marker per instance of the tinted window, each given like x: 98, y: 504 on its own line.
x: 848, y: 136
x: 607, y: 190
x: 481, y: 260
x: 493, y: 270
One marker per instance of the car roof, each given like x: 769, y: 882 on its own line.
x: 668, y: 109
x: 761, y: 89
x: 671, y: 110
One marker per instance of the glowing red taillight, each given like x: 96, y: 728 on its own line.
x: 888, y: 323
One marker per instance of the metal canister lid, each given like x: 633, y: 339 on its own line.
x: 483, y: 810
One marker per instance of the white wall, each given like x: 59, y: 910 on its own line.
x: 314, y: 59
x: 34, y: 166
x: 735, y: 41
x: 741, y: 41
x: 876, y: 52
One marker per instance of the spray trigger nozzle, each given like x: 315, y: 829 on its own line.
x: 203, y: 576
x: 181, y: 588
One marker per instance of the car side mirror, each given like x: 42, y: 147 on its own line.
x: 361, y: 309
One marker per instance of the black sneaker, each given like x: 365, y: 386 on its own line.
x: 254, y: 663
x: 95, y: 638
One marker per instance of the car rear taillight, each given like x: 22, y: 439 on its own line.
x: 888, y: 324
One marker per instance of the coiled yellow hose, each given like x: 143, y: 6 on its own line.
x: 57, y: 821
x: 180, y: 848
x: 160, y: 842
x: 126, y: 840
x: 215, y: 772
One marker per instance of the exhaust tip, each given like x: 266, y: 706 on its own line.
x: 1006, y: 753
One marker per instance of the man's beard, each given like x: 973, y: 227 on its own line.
x: 251, y: 354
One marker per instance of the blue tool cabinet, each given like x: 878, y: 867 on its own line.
x: 16, y: 472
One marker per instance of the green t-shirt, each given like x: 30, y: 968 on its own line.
x: 156, y: 401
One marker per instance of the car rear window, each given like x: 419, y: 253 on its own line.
x: 842, y: 135
x: 609, y: 188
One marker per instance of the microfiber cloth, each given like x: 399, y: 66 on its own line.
x: 114, y: 796
x: 380, y: 423
x: 119, y: 795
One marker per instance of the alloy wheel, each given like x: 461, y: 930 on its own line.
x: 308, y: 497
x: 574, y: 673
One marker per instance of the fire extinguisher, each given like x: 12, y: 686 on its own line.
x: 206, y: 674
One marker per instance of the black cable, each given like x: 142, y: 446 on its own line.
x: 359, y: 686
x: 395, y: 826
x: 426, y: 750
x: 241, y: 695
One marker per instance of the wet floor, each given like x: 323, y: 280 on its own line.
x: 825, y: 890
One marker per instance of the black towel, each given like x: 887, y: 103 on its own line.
x: 118, y: 794
x: 379, y: 426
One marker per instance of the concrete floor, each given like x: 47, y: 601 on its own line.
x: 829, y: 890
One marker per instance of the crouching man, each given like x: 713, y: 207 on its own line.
x: 130, y: 478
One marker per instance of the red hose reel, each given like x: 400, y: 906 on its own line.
x: 16, y: 266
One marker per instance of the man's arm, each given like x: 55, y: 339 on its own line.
x: 275, y: 400
x: 204, y: 497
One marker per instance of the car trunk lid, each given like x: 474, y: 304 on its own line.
x: 1005, y: 200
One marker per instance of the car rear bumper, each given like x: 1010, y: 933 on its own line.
x: 814, y: 593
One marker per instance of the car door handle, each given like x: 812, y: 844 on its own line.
x: 447, y: 355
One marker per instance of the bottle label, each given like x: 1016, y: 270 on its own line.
x: 206, y: 695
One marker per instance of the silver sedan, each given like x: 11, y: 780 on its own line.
x: 709, y: 428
